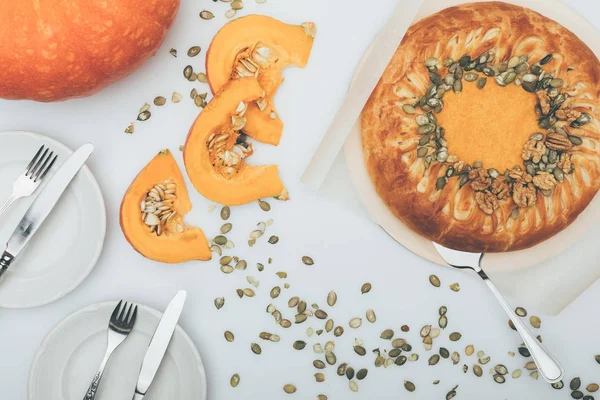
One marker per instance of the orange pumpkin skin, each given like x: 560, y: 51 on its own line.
x: 59, y: 49
x: 171, y: 246
x: 291, y: 46
x: 248, y: 183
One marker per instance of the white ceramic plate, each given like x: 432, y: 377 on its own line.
x: 66, y: 247
x: 69, y: 355
x: 419, y: 245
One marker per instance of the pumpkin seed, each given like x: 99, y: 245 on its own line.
x: 397, y: 343
x: 260, y: 267
x: 440, y: 183
x: 576, y: 140
x: 220, y: 240
x: 255, y: 347
x: 193, y: 51
x: 318, y: 364
x: 407, y: 108
x: 422, y: 152
x: 144, y: 115
x: 365, y: 288
x: 481, y: 82
x: 371, y: 316
x: 355, y: 323
x: 330, y: 358
x: 577, y: 394
x: 469, y: 350
x: 484, y: 360
x: 499, y: 379
x: 275, y: 292
x: 264, y: 205
x: 471, y: 77
x: 176, y: 97
x: 455, y: 358
x: 331, y: 298
x: 274, y: 239
x: 229, y: 336
x: 592, y: 387
x: 349, y: 373
x: 455, y: 287
x: 206, y: 15
x: 319, y: 377
x: 501, y: 369
x: 530, y: 366
x: 227, y: 269
x: 320, y: 314
x: 434, y: 359
x: 353, y: 386
x: 338, y: 331
x: 299, y: 345
x: 443, y: 322
x: 235, y: 380
x: 219, y: 302
x: 477, y: 370
x: 408, y: 385
x: 289, y: 388
x: 444, y: 353
x: 575, y: 383
x: 434, y: 280
x: 300, y: 318
x: 249, y: 292
x: 536, y: 322
x: 307, y: 260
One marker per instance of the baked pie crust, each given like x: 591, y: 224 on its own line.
x: 456, y: 185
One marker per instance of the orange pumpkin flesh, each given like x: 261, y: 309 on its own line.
x: 59, y: 49
x: 175, y: 242
x: 259, y: 46
x: 214, y: 155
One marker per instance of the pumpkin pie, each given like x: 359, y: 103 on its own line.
x: 483, y: 132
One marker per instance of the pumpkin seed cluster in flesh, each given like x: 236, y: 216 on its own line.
x: 229, y: 148
x: 157, y: 208
x: 546, y: 156
x: 251, y: 62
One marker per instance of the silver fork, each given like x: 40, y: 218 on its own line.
x: 548, y: 366
x: 120, y: 325
x: 31, y: 178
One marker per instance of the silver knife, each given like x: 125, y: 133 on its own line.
x: 43, y: 205
x: 158, y: 344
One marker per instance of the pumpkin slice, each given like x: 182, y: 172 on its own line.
x: 259, y: 46
x: 152, y: 214
x: 215, y: 150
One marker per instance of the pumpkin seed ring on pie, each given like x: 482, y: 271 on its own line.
x: 483, y: 132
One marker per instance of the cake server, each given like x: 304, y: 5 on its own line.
x: 158, y: 344
x: 548, y: 367
x: 43, y: 205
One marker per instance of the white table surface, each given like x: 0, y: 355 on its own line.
x: 347, y: 249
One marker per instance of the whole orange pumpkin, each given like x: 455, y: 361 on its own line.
x: 59, y: 49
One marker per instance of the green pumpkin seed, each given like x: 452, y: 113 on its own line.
x: 455, y: 336
x: 235, y: 380
x: 481, y: 82
x: 546, y: 59
x: 434, y: 280
x: 193, y: 51
x: 443, y: 322
x: 556, y: 83
x: 441, y: 183
x: 444, y: 353
x: 350, y: 373
x: 558, y: 385
x: 307, y: 260
x: 318, y: 364
x: 361, y: 351
x: 501, y: 369
x: 341, y: 369
x: 408, y: 385
x: 477, y: 370
x: 471, y: 77
x: 576, y: 140
x: 575, y: 384
x: 535, y: 321
x: 219, y: 302
x: 431, y: 62
x: 387, y: 334
x: 422, y: 152
x: 434, y: 359
x: 365, y: 288
x: 577, y: 394
x: 229, y: 336
x: 499, y: 379
x: 524, y: 351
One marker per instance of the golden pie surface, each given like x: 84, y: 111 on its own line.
x: 483, y: 132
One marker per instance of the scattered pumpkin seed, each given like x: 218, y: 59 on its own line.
x: 575, y: 383
x: 434, y: 280
x: 408, y: 385
x: 307, y: 260
x: 524, y: 351
x: 455, y: 287
x: 173, y: 52
x: 320, y: 314
x: 235, y: 380
x: 530, y: 366
x: 193, y: 51
x: 387, y: 334
x: 206, y: 15
x: 499, y: 378
x: 469, y: 350
x: 558, y: 385
x: 443, y: 322
x: 371, y: 316
x: 577, y: 394
x: 592, y: 387
x: 355, y: 323
x: 275, y: 292
x: 255, y: 347
x: 361, y: 351
x: 289, y: 388
x: 338, y: 331
x: 444, y: 353
x: 330, y: 358
x: 455, y: 336
x: 477, y: 370
x: 365, y: 288
x: 521, y: 312
x: 249, y: 292
x: 219, y: 302
x: 536, y: 322
x: 434, y: 359
x: 331, y: 299
x: 319, y: 364
x: 516, y: 373
x: 229, y: 336
x: 176, y: 97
